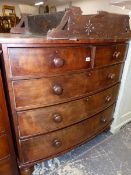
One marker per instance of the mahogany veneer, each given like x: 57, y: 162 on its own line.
x: 62, y: 93
x: 8, y: 165
x: 49, y: 61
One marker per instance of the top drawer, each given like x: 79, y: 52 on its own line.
x: 112, y: 54
x: 48, y: 61
x: 28, y: 62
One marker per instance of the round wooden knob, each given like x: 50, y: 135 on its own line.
x: 57, y: 89
x: 103, y: 120
x: 111, y: 76
x: 116, y: 54
x: 57, y: 118
x: 108, y: 98
x: 56, y: 143
x: 89, y: 74
x: 58, y: 62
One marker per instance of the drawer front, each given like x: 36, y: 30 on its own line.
x: 48, y: 61
x: 51, y: 144
x: 2, y: 127
x: 44, y: 120
x: 47, y: 91
x: 4, y: 148
x: 106, y: 55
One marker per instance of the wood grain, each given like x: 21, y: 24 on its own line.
x: 4, y: 147
x: 29, y: 62
x: 8, y: 163
x: 7, y: 167
x: 2, y: 127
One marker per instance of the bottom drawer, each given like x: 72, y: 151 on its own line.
x: 45, y: 146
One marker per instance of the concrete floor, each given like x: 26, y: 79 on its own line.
x: 107, y: 154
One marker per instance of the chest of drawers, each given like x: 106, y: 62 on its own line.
x: 62, y: 93
x: 8, y: 165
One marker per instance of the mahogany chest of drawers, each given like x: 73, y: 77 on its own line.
x: 62, y: 93
x: 8, y: 165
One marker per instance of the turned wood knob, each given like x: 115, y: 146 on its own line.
x: 103, y: 120
x: 58, y: 62
x: 111, y: 76
x: 57, y: 89
x: 116, y: 54
x: 57, y: 118
x: 56, y: 143
x: 89, y: 74
x: 108, y: 98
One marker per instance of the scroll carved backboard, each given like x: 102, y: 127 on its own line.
x: 72, y: 24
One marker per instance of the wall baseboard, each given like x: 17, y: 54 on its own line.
x: 123, y: 120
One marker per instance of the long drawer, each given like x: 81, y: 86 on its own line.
x: 27, y: 62
x: 47, y: 145
x: 44, y: 120
x: 48, y: 91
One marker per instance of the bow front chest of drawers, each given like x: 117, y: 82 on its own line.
x: 8, y: 165
x: 62, y: 93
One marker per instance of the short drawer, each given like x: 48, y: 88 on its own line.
x: 44, y: 146
x: 2, y: 126
x: 110, y: 54
x: 44, y: 120
x: 27, y: 62
x: 47, y: 91
x: 4, y: 147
